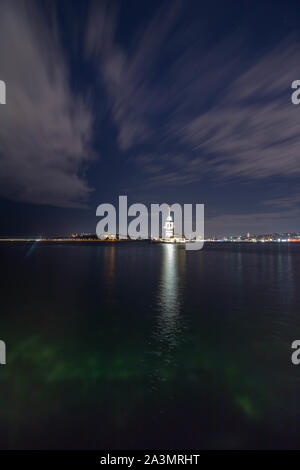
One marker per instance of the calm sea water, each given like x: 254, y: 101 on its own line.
x: 149, y: 346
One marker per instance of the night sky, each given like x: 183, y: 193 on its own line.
x: 175, y: 101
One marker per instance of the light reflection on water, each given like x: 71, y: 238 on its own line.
x: 168, y: 299
x: 32, y: 248
x: 170, y: 324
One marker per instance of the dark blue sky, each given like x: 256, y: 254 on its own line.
x: 175, y: 101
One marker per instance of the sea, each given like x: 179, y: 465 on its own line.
x: 118, y: 345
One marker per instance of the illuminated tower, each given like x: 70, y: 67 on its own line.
x: 169, y: 225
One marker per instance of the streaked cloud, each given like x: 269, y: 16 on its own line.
x: 253, y: 131
x: 290, y: 201
x: 228, y: 115
x: 185, y: 107
x: 45, y: 128
x: 128, y: 73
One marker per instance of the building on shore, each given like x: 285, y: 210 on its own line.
x: 169, y: 225
x: 169, y: 228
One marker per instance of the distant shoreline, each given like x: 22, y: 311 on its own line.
x: 102, y: 242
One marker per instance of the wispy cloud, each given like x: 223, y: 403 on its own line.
x: 290, y: 201
x: 227, y: 115
x: 253, y: 131
x: 44, y: 128
x: 170, y: 169
x: 128, y: 73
